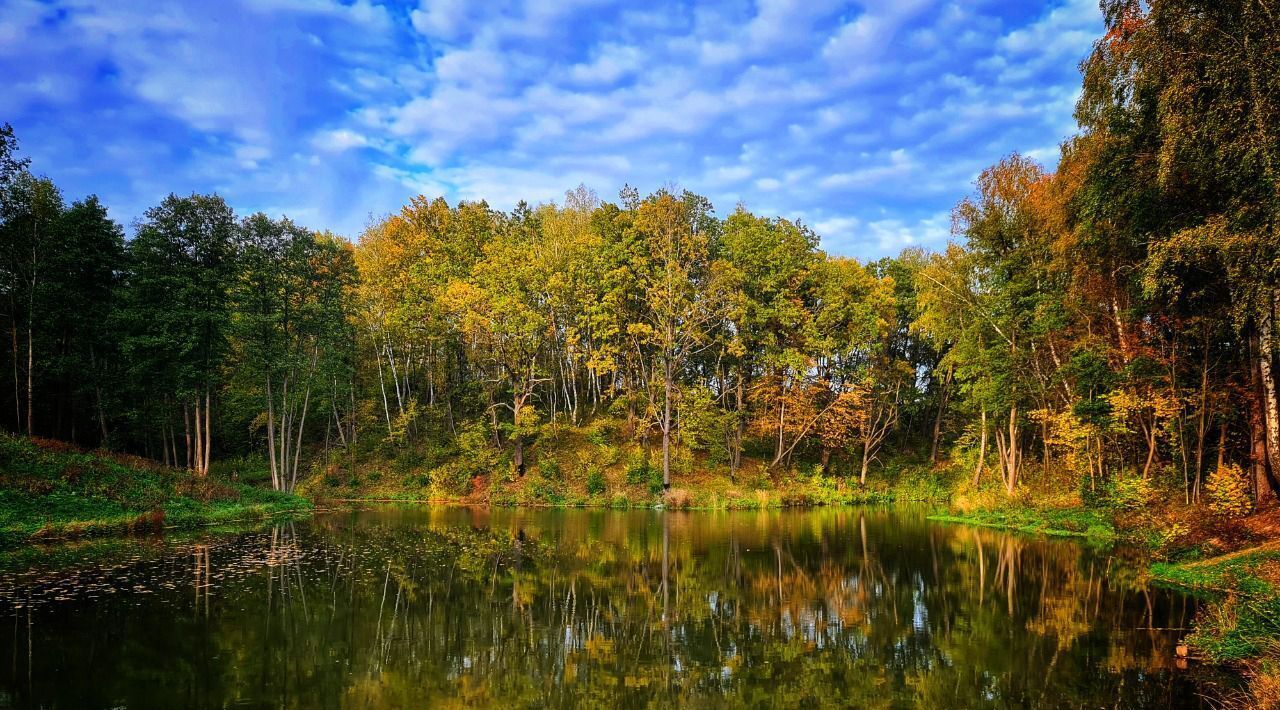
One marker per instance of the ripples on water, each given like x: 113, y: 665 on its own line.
x: 472, y: 607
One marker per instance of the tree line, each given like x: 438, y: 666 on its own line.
x: 1114, y: 316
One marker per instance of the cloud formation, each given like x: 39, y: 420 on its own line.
x: 867, y: 120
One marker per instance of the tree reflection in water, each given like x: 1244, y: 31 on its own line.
x: 441, y: 606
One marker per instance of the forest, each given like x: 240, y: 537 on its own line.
x: 1111, y: 319
x: 1094, y: 353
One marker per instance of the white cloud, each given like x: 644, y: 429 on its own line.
x: 866, y: 38
x: 442, y: 19
x: 868, y: 117
x: 339, y: 140
x: 612, y: 62
x: 360, y: 12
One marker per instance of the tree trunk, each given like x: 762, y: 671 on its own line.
x: 1202, y: 418
x: 517, y: 439
x: 186, y: 427
x: 942, y: 410
x: 1149, y: 435
x: 982, y: 450
x: 302, y: 425
x: 271, y: 437
x: 31, y: 368
x: 17, y: 382
x: 382, y: 387
x: 739, y: 429
x: 1266, y: 365
x: 199, y: 453
x: 666, y: 425
x: 1263, y: 470
x: 866, y: 459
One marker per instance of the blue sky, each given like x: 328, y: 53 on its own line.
x: 868, y: 120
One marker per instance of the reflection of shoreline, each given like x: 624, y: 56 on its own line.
x: 549, y: 606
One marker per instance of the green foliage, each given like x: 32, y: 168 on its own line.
x: 601, y: 431
x: 705, y: 425
x: 545, y: 492
x: 61, y: 492
x: 549, y: 468
x: 451, y: 478
x: 410, y: 460
x: 655, y: 481
x: 596, y: 483
x: 639, y: 470
x: 1244, y: 618
x: 1129, y: 492
x: 1063, y: 522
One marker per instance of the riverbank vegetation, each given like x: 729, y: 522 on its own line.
x: 49, y: 489
x: 1100, y: 336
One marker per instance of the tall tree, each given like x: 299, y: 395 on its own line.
x: 177, y: 311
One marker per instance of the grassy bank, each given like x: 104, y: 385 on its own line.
x: 592, y: 467
x: 1243, y: 621
x: 1058, y: 522
x: 1240, y: 623
x: 52, y: 490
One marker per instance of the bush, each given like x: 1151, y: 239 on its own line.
x: 638, y: 471
x: 1227, y: 492
x: 549, y: 469
x: 655, y: 481
x: 682, y: 461
x: 678, y: 498
x: 595, y: 481
x: 450, y: 478
x: 409, y: 460
x: 1130, y: 493
x: 545, y: 491
x: 601, y: 431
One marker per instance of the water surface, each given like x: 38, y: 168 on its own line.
x: 437, y: 607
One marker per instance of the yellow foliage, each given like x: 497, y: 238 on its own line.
x: 1227, y: 492
x: 1069, y: 435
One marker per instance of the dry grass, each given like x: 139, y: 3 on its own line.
x: 678, y: 498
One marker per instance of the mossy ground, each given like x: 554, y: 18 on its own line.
x: 52, y: 490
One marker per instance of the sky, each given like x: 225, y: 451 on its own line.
x: 866, y: 120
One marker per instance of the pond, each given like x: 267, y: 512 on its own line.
x: 415, y: 607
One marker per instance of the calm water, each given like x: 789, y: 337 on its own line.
x: 524, y: 608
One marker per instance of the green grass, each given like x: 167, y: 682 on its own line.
x: 48, y: 490
x: 1242, y: 621
x: 1059, y: 522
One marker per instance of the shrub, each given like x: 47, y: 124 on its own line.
x: 595, y: 481
x: 545, y: 491
x: 638, y: 470
x: 655, y: 481
x: 678, y: 498
x: 682, y: 461
x: 609, y: 455
x: 1227, y: 492
x: 409, y: 460
x: 601, y: 431
x: 450, y: 478
x: 549, y: 469
x: 1130, y: 493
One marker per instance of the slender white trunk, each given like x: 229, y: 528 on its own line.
x: 271, y: 436
x: 208, y: 433
x: 982, y: 450
x: 1266, y: 365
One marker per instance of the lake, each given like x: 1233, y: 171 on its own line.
x: 446, y: 606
